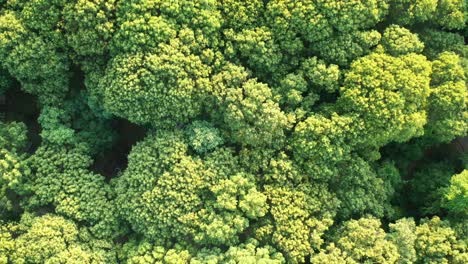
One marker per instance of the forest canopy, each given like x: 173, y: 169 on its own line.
x: 230, y: 131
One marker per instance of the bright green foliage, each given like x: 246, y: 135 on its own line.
x: 250, y: 252
x: 248, y: 110
x: 13, y: 136
x: 456, y: 195
x: 331, y: 255
x: 143, y: 24
x: 141, y: 33
x: 12, y: 170
x: 240, y: 15
x: 436, y: 243
x: 23, y: 54
x: 7, y: 242
x: 448, y: 108
x: 51, y: 239
x: 26, y: 63
x: 165, y: 193
x: 364, y: 241
x: 295, y: 92
x: 13, y: 140
x: 399, y: 41
x: 320, y: 76
x: 252, y: 116
x: 60, y: 178
x: 402, y: 234
x: 390, y: 94
x: 281, y: 169
x: 359, y: 241
x: 45, y: 18
x: 89, y: 25
x: 447, y: 69
x: 408, y: 12
x: 203, y: 137
x: 451, y: 14
x: 161, y: 89
x: 256, y: 47
x: 145, y: 252
x: 288, y: 18
x: 343, y: 49
x: 230, y: 131
x: 349, y: 16
x: 302, y: 90
x: 330, y: 135
x: 300, y: 215
x: 11, y: 30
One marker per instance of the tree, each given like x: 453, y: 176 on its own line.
x: 156, y: 89
x: 399, y: 41
x: 74, y: 122
x: 456, y: 194
x: 52, y: 239
x: 364, y: 188
x: 13, y: 142
x: 342, y: 49
x: 389, y: 94
x: 403, y: 235
x: 436, y: 243
x: 349, y: 16
x: 330, y: 134
x: 252, y: 116
x: 409, y: 12
x: 89, y: 27
x: 23, y: 52
x: 360, y: 241
x: 60, y: 177
x: 165, y: 193
x: 229, y: 131
x: 299, y: 219
x: 144, y: 24
x: 448, y: 110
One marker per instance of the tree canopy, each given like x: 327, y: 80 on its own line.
x: 229, y: 131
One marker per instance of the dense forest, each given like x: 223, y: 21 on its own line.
x: 233, y: 131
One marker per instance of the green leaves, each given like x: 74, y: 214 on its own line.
x: 299, y: 217
x: 246, y: 131
x: 89, y: 26
x: 364, y: 241
x: 456, y: 195
x: 60, y: 177
x: 436, y: 243
x: 162, y: 89
x: 349, y: 16
x: 389, y: 94
x: 50, y: 239
x: 166, y: 193
x: 252, y: 116
x: 203, y: 137
x: 448, y: 109
x: 399, y: 41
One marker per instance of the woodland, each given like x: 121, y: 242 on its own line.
x: 232, y: 131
